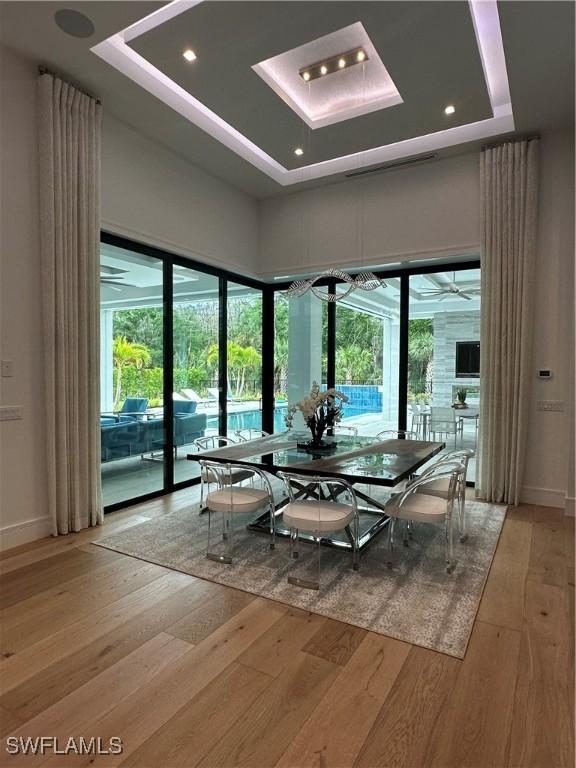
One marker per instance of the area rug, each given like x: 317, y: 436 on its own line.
x: 406, y: 595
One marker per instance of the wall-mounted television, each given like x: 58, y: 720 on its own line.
x: 467, y: 359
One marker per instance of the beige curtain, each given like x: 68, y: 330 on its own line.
x: 509, y: 191
x: 69, y: 151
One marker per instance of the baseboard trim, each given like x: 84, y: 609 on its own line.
x: 570, y: 506
x: 543, y: 497
x: 22, y: 533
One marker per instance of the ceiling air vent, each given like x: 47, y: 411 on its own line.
x: 396, y: 164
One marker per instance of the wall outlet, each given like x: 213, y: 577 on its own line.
x: 550, y: 405
x: 10, y: 412
x: 7, y: 368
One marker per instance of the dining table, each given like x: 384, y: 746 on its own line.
x: 361, y: 461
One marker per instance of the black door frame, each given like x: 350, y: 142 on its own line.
x: 268, y: 291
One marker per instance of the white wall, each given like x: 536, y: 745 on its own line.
x: 434, y: 210
x: 22, y: 463
x: 549, y: 469
x: 148, y: 193
x: 426, y: 210
x: 153, y: 195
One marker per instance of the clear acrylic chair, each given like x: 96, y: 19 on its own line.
x: 249, y: 433
x: 396, y: 434
x: 231, y: 500
x: 415, y: 504
x: 440, y: 486
x: 211, y: 443
x: 330, y: 506
x: 345, y: 429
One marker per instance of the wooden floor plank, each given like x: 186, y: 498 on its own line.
x: 335, y: 732
x: 480, y: 703
x: 542, y: 729
x: 335, y: 641
x: 275, y: 649
x: 77, y: 603
x: 155, y: 703
x: 503, y: 600
x: 204, y: 674
x: 186, y: 738
x: 405, y: 729
x: 80, y: 665
x: 38, y: 577
x: 267, y: 727
x: 547, y: 553
x: 39, y: 656
x: 8, y: 722
x: 198, y: 624
x: 75, y: 713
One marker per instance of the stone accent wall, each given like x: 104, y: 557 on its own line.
x: 450, y: 327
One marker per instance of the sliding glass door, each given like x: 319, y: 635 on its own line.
x: 366, y: 357
x: 444, y: 358
x: 181, y: 358
x: 196, y: 354
x: 132, y: 428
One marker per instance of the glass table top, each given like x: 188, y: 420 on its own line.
x: 356, y: 459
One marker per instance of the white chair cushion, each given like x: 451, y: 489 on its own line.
x: 317, y: 515
x: 237, y: 499
x: 420, y: 507
x: 438, y: 487
x: 237, y: 476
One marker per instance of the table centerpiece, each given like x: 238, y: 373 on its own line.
x: 320, y: 410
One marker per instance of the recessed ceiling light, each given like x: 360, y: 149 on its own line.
x: 189, y: 55
x: 449, y: 110
x: 341, y: 63
x: 306, y: 76
x: 299, y: 151
x: 323, y: 69
x: 360, y: 56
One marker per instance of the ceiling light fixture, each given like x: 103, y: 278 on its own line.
x: 334, y: 64
x: 189, y: 55
x: 299, y: 151
x: 449, y: 110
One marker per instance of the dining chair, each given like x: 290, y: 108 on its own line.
x: 417, y: 422
x: 321, y: 514
x: 441, y: 485
x: 443, y: 421
x: 415, y: 504
x: 231, y: 500
x: 213, y: 442
x: 396, y: 434
x: 343, y: 429
x: 249, y: 433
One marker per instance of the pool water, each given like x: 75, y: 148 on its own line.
x: 253, y: 419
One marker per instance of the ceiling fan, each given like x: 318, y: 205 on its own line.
x: 452, y: 289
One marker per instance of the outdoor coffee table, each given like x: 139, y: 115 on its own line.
x: 359, y: 460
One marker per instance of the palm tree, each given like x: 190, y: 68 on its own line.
x: 124, y: 354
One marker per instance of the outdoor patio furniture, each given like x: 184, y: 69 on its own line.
x: 442, y: 421
x: 191, y: 394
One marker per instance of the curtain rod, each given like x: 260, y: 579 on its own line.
x: 493, y: 145
x: 42, y: 70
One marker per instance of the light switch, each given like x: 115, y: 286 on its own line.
x: 10, y: 412
x: 550, y: 405
x: 7, y: 368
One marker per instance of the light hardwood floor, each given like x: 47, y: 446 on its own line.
x: 190, y: 673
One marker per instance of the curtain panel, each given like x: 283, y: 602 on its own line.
x: 69, y: 153
x: 509, y: 202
